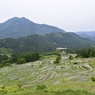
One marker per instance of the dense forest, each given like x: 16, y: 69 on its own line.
x: 19, y: 59
x: 45, y: 43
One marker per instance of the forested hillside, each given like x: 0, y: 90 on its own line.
x: 69, y: 40
x: 45, y: 43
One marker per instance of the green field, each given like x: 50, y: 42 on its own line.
x: 43, y: 77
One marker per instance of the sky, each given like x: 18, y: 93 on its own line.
x: 69, y: 15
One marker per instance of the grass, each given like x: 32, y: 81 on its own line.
x: 64, y: 78
x: 67, y: 89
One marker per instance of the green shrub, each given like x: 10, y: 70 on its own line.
x: 4, y: 62
x: 71, y: 57
x: 41, y: 87
x: 21, y: 61
x: 75, y: 63
x: 2, y: 86
x: 57, y: 60
x: 93, y: 79
x: 1, y: 65
x: 19, y: 85
x: 77, y: 56
x: 3, y: 90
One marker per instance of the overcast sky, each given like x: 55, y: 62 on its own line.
x: 70, y: 15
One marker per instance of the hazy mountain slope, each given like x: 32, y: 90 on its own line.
x: 89, y: 35
x: 69, y: 40
x: 43, y: 43
x: 19, y: 27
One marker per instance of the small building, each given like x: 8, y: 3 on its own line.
x: 61, y: 49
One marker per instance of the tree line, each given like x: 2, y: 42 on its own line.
x: 18, y: 58
x: 86, y: 53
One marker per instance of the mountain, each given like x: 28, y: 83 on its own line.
x: 23, y: 35
x: 69, y: 40
x: 45, y: 43
x: 19, y: 27
x: 88, y: 35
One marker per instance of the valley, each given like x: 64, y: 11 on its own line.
x: 47, y: 47
x: 75, y: 74
x: 31, y: 65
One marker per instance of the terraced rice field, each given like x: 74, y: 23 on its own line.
x: 45, y: 71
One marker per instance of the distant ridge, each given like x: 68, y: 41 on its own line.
x: 19, y: 27
x: 87, y: 34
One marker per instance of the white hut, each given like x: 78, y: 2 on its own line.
x: 63, y: 51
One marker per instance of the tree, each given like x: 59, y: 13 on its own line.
x: 41, y: 87
x: 57, y: 60
x: 86, y: 53
x: 93, y: 53
x: 32, y: 57
x: 71, y: 57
